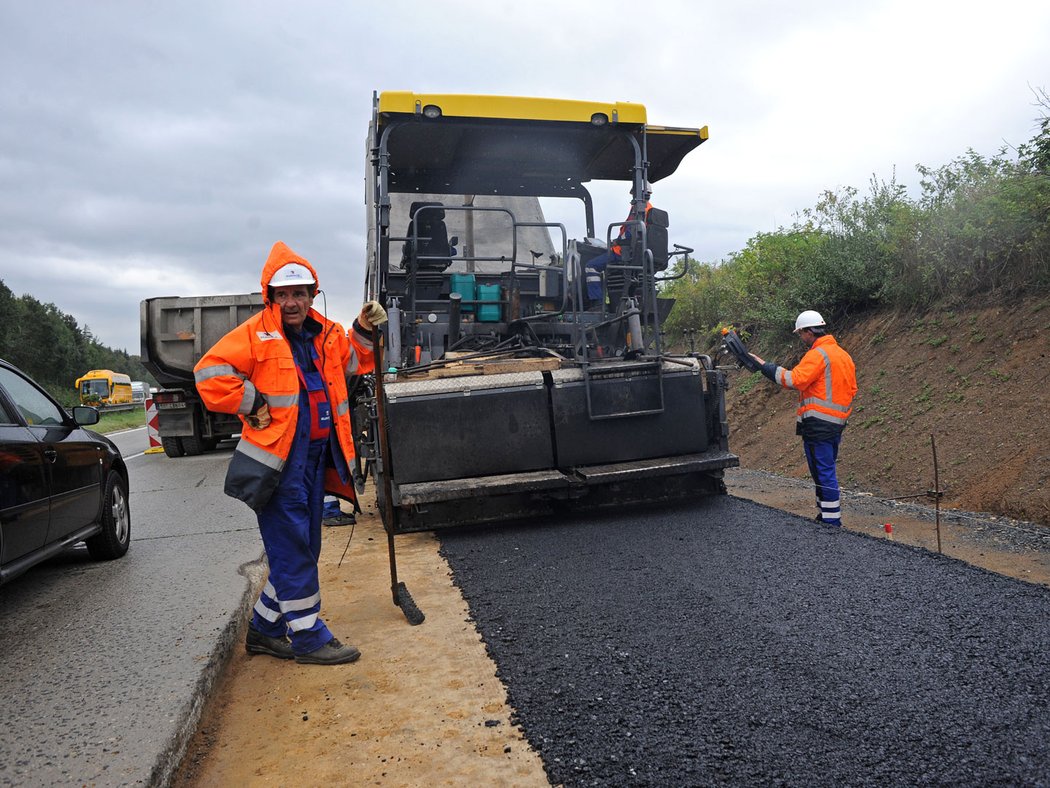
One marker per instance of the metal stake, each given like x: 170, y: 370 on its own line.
x: 936, y: 490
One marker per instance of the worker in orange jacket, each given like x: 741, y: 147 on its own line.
x: 826, y: 381
x: 284, y: 370
x: 613, y: 254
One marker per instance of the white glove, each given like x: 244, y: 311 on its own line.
x: 372, y: 314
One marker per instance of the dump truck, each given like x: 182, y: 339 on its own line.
x: 504, y: 390
x: 175, y: 332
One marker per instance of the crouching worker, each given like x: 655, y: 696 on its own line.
x: 284, y: 371
x: 826, y: 381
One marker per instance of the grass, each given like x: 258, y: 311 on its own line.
x: 749, y: 383
x: 121, y: 420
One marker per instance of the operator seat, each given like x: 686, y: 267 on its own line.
x: 431, y: 238
x: 622, y: 283
x: 656, y: 223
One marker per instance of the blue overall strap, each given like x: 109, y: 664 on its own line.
x: 313, y: 397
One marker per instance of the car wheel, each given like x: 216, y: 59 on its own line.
x: 115, y: 538
x: 172, y: 447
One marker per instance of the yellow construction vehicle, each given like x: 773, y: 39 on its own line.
x: 506, y: 391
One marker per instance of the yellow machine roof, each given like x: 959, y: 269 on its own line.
x: 511, y: 107
x: 448, y: 143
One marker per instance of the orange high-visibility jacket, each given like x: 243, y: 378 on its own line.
x: 255, y: 356
x: 625, y: 230
x: 826, y: 381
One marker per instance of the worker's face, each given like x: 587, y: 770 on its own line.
x: 807, y: 337
x: 295, y: 302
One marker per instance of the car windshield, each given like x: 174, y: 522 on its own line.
x: 97, y: 387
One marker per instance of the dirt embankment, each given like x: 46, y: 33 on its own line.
x: 974, y: 378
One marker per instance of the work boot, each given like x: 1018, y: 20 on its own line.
x: 331, y: 653
x: 258, y: 643
x: 342, y: 518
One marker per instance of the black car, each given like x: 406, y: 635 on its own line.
x: 59, y: 483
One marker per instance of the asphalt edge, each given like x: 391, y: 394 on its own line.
x: 174, y: 751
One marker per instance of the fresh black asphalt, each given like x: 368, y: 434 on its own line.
x: 729, y: 643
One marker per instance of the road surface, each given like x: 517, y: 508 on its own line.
x: 103, y: 664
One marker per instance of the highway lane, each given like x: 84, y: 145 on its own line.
x: 130, y: 442
x: 104, y: 665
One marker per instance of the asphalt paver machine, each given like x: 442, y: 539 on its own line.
x: 505, y: 392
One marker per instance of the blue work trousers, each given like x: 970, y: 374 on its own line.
x: 821, y: 457
x: 594, y: 273
x: 290, y: 525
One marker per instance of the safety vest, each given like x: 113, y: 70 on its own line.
x: 826, y: 381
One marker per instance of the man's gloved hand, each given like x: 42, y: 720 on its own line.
x: 259, y: 420
x: 372, y: 314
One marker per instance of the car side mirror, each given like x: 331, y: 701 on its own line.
x: 85, y: 416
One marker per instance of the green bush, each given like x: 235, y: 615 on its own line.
x: 981, y: 226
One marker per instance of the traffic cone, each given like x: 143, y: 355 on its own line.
x: 888, y: 528
x: 152, y: 428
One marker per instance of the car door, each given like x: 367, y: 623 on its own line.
x: 24, y: 500
x: 72, y: 458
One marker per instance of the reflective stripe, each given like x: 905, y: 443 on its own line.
x: 342, y: 408
x: 827, y: 374
x: 248, y: 400
x: 260, y: 455
x: 214, y: 371
x: 299, y: 624
x: 265, y: 612
x: 783, y: 377
x: 305, y: 603
x: 364, y: 337
x: 353, y: 364
x: 281, y: 400
x: 827, y: 403
x: 816, y: 414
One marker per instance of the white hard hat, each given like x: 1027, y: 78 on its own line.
x: 808, y: 319
x: 292, y: 274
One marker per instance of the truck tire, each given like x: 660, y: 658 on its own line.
x: 192, y: 445
x: 172, y: 446
x: 115, y: 537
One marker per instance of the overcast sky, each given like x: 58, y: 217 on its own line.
x: 160, y: 148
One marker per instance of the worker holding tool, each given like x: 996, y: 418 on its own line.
x: 826, y: 381
x: 284, y: 370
